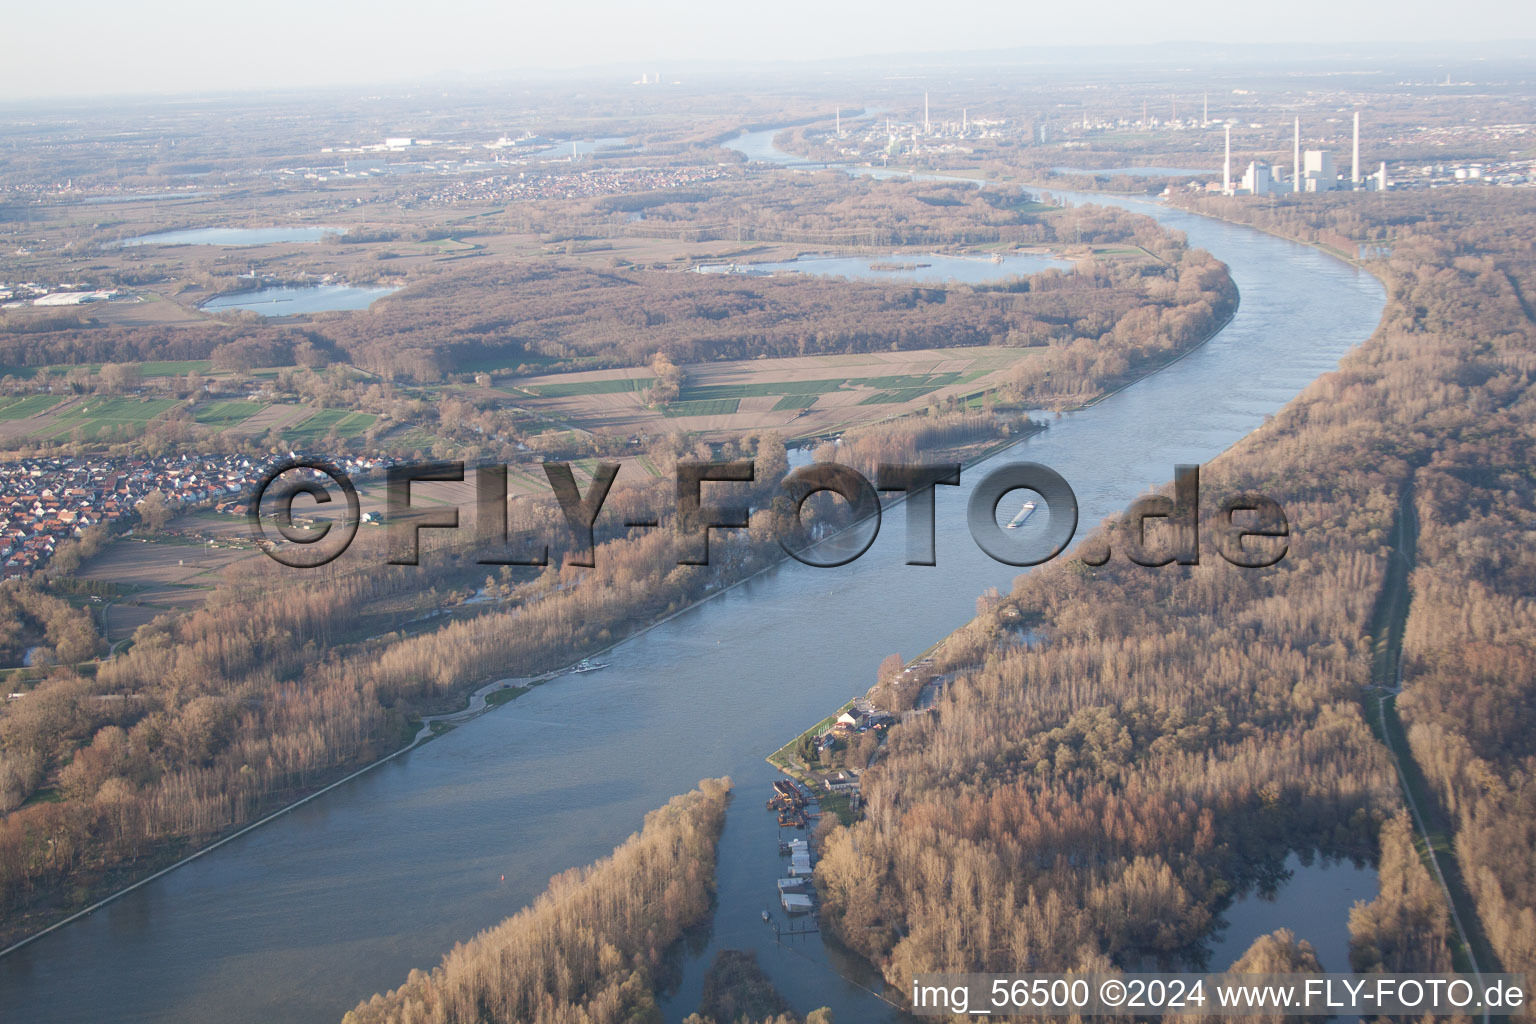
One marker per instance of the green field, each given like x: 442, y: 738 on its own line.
x: 322, y: 423
x: 226, y: 414
x: 707, y: 392
x: 28, y: 405
x: 795, y: 402
x: 588, y: 387
x: 897, y: 396
x: 96, y: 417
x: 802, y: 389
x: 917, y: 380
x: 708, y: 407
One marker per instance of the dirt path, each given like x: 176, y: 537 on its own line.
x: 1435, y: 832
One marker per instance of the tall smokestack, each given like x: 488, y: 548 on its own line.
x: 1205, y: 117
x: 1226, y: 167
x: 1296, y: 159
x: 1354, y: 171
x: 925, y: 112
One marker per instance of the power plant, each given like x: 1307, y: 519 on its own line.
x: 1312, y: 171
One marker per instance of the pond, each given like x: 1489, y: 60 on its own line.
x: 232, y: 236
x: 1313, y: 900
x: 288, y: 301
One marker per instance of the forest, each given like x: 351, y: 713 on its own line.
x: 1096, y: 798
x: 828, y: 208
x: 559, y: 313
x: 1469, y: 678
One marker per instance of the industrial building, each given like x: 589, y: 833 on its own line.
x: 1312, y: 171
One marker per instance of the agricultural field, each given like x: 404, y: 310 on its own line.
x: 800, y: 396
x: 25, y: 406
x: 226, y: 414
x: 159, y: 574
x: 279, y: 417
x: 323, y: 423
x: 96, y: 418
x: 93, y: 418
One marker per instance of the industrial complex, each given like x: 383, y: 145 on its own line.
x: 1311, y: 171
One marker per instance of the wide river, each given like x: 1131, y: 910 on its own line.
x: 299, y: 920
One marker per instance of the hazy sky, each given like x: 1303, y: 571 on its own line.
x: 113, y: 46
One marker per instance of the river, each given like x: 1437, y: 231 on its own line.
x: 299, y: 920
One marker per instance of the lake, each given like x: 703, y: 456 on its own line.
x: 288, y: 301
x: 233, y: 236
x: 150, y: 197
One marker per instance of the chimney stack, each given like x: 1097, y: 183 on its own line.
x: 1296, y: 159
x: 1354, y: 171
x: 1226, y: 168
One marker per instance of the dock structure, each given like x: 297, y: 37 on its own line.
x: 796, y: 897
x: 795, y: 903
x: 789, y: 800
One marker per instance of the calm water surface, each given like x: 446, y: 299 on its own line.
x: 301, y: 919
x: 232, y: 236
x: 1313, y: 902
x: 285, y: 301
